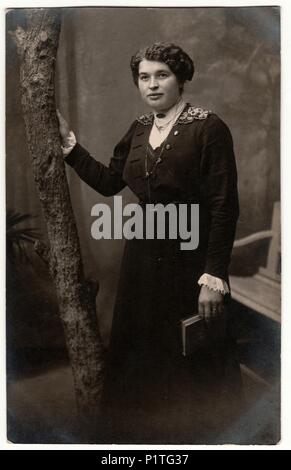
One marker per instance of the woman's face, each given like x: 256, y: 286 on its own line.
x: 158, y: 85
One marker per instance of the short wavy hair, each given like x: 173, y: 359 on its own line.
x: 176, y: 59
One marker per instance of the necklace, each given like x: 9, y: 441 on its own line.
x: 178, y: 109
x: 149, y: 172
x: 158, y: 159
x: 162, y: 127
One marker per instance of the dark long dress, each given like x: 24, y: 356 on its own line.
x: 152, y: 393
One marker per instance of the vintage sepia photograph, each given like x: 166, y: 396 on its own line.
x: 143, y: 227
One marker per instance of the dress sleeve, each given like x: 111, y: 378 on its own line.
x: 107, y: 180
x: 213, y: 283
x: 219, y: 194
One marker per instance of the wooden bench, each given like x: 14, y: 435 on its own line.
x: 262, y: 292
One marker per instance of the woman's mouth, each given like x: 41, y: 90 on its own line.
x: 155, y: 96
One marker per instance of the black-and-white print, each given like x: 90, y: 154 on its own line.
x: 143, y: 225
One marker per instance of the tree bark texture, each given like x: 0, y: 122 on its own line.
x: 37, y: 47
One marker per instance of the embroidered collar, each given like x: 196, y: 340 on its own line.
x: 190, y: 114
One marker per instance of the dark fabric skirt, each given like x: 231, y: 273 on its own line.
x: 152, y: 393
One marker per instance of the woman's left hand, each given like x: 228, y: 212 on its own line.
x: 210, y: 304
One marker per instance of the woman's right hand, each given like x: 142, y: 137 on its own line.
x: 63, y: 128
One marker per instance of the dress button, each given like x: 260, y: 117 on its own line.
x: 176, y: 133
x: 168, y: 147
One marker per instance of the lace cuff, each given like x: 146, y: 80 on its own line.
x: 214, y: 283
x: 70, y: 144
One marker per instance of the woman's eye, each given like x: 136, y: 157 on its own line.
x: 163, y: 75
x: 143, y: 77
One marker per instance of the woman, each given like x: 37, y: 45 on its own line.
x: 175, y: 154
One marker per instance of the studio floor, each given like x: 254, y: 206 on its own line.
x: 41, y: 409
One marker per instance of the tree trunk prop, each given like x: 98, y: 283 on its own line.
x: 37, y: 48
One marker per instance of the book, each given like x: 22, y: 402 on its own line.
x: 193, y: 334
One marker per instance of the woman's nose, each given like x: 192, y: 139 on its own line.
x: 153, y: 83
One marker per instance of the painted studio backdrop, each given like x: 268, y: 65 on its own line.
x: 236, y: 52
